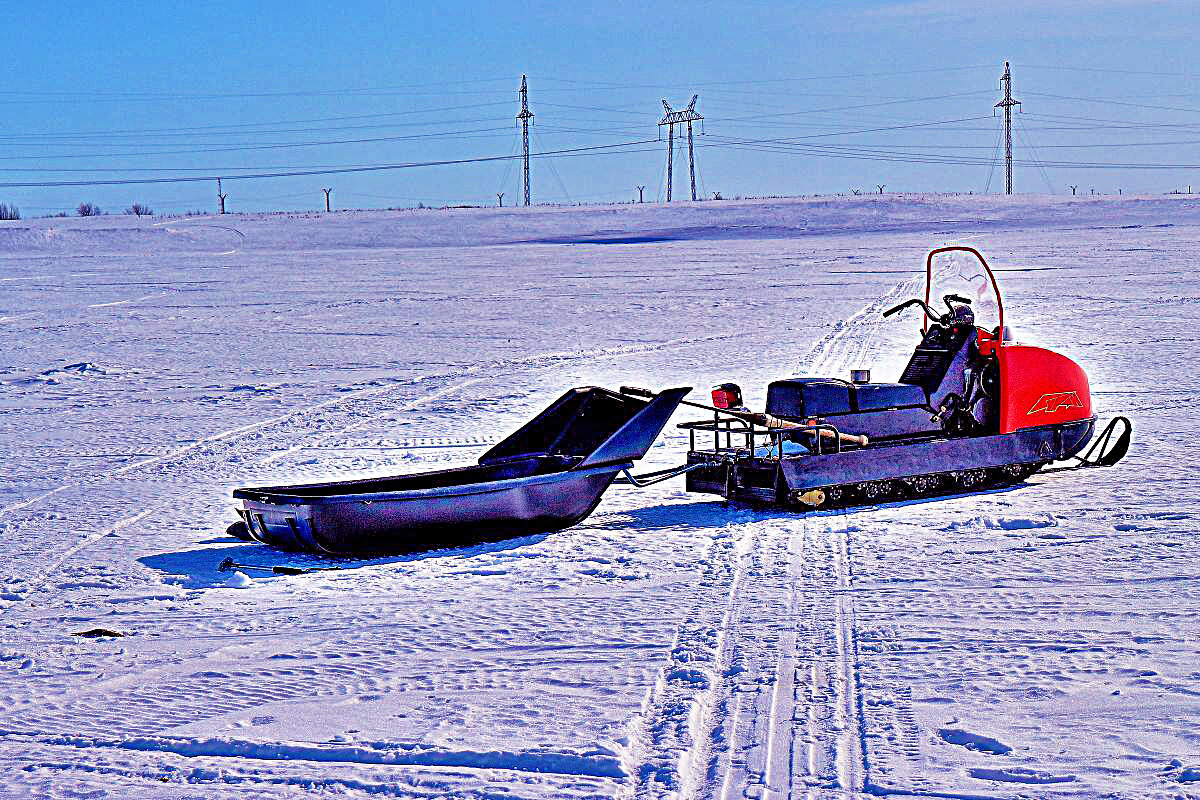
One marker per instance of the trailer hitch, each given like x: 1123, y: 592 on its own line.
x: 650, y: 478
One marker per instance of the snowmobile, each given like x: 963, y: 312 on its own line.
x: 972, y: 410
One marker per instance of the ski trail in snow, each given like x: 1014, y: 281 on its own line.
x: 853, y: 342
x: 761, y: 696
x: 546, y: 358
x: 779, y: 710
x: 781, y: 746
x: 175, y: 226
x: 11, y: 317
x: 851, y: 753
x: 128, y: 301
x: 410, y: 406
x: 757, y: 736
x: 39, y: 580
x: 230, y: 768
x: 852, y: 339
x: 671, y: 737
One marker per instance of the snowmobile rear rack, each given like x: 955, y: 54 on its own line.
x: 723, y: 419
x: 775, y: 436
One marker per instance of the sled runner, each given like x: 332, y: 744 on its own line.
x: 548, y: 475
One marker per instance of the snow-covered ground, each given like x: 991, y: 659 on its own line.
x: 1038, y: 641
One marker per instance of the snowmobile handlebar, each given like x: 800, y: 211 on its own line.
x: 913, y: 302
x: 955, y: 298
x: 931, y: 312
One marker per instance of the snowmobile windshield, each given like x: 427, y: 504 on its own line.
x: 962, y: 271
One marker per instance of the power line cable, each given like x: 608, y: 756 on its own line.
x: 141, y: 141
x: 1063, y: 68
x: 508, y: 165
x: 302, y: 173
x: 995, y: 159
x: 1106, y: 122
x: 870, y: 154
x: 244, y: 125
x: 864, y: 105
x: 1114, y: 102
x: 554, y: 170
x: 455, y: 134
x: 1028, y: 143
x: 723, y: 82
x: 875, y: 130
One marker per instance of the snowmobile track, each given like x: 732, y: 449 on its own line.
x: 851, y: 745
x: 781, y: 709
x: 672, y: 736
x: 761, y: 694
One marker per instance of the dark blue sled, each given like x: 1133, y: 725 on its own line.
x: 547, y: 476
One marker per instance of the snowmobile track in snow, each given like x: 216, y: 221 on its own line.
x: 761, y: 690
x: 768, y: 695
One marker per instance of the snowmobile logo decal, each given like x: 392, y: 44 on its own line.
x: 1055, y: 401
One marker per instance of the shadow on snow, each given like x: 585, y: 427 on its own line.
x: 719, y: 513
x: 197, y: 568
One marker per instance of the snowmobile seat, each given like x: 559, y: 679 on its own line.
x: 880, y: 396
x: 927, y: 368
x: 932, y: 358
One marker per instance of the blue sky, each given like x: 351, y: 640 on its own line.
x: 799, y: 98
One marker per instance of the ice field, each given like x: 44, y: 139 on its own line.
x: 1038, y: 641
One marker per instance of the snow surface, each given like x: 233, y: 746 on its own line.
x: 1038, y: 641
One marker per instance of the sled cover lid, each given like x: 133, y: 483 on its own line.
x: 592, y: 423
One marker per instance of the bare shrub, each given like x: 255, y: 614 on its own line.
x: 139, y: 210
x: 9, y: 212
x: 88, y: 210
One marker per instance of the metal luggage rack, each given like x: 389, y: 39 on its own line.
x: 749, y: 432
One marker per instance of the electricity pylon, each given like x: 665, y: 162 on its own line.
x: 687, y: 115
x: 525, y: 116
x: 1007, y: 104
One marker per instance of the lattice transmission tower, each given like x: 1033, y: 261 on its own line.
x: 687, y: 115
x: 1007, y: 104
x: 525, y: 116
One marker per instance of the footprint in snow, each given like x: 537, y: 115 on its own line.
x: 974, y: 741
x: 1189, y: 775
x: 1018, y: 775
